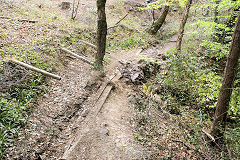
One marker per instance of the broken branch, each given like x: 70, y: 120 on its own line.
x: 191, y: 148
x: 91, y: 45
x: 20, y: 20
x: 35, y: 69
x: 209, y: 135
x: 76, y: 55
x: 211, y: 138
x: 116, y: 24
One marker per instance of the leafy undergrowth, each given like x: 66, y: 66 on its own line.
x: 171, y: 121
x: 176, y: 108
x: 13, y: 107
x: 35, y: 44
x: 167, y: 135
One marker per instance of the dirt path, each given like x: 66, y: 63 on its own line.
x: 50, y: 123
x: 109, y: 134
x: 67, y: 123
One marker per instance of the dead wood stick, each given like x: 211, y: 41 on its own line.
x: 209, y: 135
x: 122, y: 19
x: 91, y: 45
x: 20, y: 20
x: 116, y: 24
x: 191, y: 147
x: 211, y: 138
x: 35, y: 69
x: 229, y: 152
x: 2, y: 17
x: 138, y: 52
x: 76, y: 55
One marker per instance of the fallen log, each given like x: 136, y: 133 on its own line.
x: 20, y: 20
x: 77, y: 56
x: 35, y: 69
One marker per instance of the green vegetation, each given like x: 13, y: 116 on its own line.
x: 189, y: 90
x: 121, y: 40
x: 190, y: 87
x: 13, y: 106
x: 21, y: 87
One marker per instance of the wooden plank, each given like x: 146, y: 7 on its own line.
x: 35, y: 69
x: 97, y: 107
x: 106, y: 92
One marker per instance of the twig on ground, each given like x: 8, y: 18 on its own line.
x: 91, y: 45
x: 209, y: 135
x: 116, y: 24
x: 212, y: 139
x: 192, y: 148
x: 20, y: 20
x: 76, y: 55
x: 229, y: 152
x: 200, y: 118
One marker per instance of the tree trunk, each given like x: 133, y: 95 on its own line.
x: 182, y: 25
x: 216, y: 11
x: 158, y: 24
x: 227, y: 84
x: 101, y: 33
x: 75, y: 10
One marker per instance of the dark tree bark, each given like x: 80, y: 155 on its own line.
x: 227, y: 84
x: 216, y: 11
x: 158, y: 24
x: 182, y: 25
x: 101, y: 33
